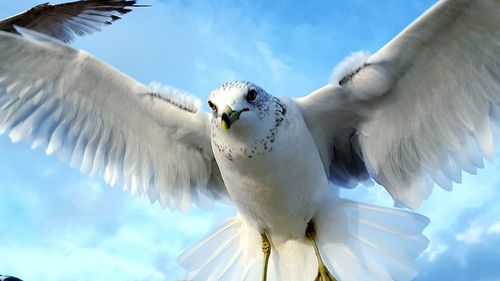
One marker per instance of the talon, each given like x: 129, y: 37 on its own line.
x: 324, y: 274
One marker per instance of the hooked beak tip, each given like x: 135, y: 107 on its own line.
x: 225, y: 121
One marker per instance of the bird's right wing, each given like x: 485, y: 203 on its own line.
x: 152, y: 140
x: 64, y: 21
x: 421, y: 109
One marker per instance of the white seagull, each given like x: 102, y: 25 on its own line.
x: 64, y: 21
x: 416, y: 113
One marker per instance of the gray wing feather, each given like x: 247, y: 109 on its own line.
x: 65, y: 21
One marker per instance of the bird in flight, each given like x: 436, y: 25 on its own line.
x: 64, y: 21
x: 416, y: 113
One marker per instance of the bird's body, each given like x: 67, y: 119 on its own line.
x: 260, y: 170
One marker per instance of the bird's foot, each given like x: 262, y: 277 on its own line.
x: 266, y: 249
x: 323, y: 273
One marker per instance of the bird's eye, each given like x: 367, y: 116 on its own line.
x: 212, y: 106
x: 251, y: 95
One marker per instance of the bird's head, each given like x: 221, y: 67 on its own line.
x: 238, y: 102
x: 244, y: 111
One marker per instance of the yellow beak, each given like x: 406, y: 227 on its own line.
x: 229, y: 116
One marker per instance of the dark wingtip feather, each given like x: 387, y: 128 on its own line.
x: 142, y: 6
x: 67, y: 20
x: 123, y: 11
x: 9, y: 278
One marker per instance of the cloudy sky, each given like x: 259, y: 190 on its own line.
x: 56, y: 224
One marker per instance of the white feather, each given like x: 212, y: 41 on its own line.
x: 357, y: 241
x: 349, y: 65
x: 420, y: 104
x: 102, y: 121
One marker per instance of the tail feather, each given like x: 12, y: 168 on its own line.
x: 357, y: 242
x: 380, y: 265
x: 230, y: 253
x: 401, y: 247
x: 196, y: 256
x: 226, y: 273
x: 381, y: 241
x: 252, y: 272
x: 217, y: 263
x: 231, y: 272
x: 392, y: 220
x: 356, y: 269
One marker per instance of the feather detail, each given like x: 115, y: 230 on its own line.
x: 357, y: 242
x: 65, y: 21
x: 349, y: 67
x: 105, y: 123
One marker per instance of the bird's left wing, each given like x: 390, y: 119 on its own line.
x: 421, y: 109
x: 64, y: 21
x: 151, y: 140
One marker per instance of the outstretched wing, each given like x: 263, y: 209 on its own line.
x: 152, y: 140
x: 64, y: 21
x: 422, y: 108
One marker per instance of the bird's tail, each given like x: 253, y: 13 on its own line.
x: 357, y: 242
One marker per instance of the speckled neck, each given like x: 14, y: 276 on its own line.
x: 260, y: 145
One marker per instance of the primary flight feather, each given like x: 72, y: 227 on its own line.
x: 417, y: 112
x: 65, y: 21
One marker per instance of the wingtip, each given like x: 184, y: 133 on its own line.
x: 113, y: 18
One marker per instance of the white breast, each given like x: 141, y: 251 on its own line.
x: 278, y: 190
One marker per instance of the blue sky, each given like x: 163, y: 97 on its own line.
x: 56, y: 224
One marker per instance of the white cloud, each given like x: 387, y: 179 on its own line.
x: 434, y: 250
x: 79, y: 264
x: 472, y: 235
x: 476, y: 232
x: 276, y: 67
x: 494, y: 229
